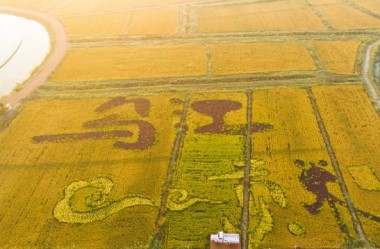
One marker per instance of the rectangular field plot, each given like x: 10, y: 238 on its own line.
x: 353, y: 126
x: 154, y: 22
x: 96, y: 25
x: 245, y: 58
x: 73, y: 171
x: 206, y: 195
x: 277, y: 15
x: 292, y: 178
x: 341, y: 16
x: 338, y: 56
x: 132, y: 62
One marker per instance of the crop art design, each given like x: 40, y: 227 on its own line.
x: 146, y: 130
x: 88, y: 201
x: 217, y: 110
x: 207, y: 184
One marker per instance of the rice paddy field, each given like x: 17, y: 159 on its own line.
x: 170, y: 120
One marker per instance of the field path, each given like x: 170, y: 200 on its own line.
x: 367, y: 75
x: 58, y: 51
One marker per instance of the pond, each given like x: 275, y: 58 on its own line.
x: 24, y: 44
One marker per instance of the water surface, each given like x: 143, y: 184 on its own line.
x: 24, y: 44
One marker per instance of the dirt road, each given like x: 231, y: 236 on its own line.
x: 367, y: 75
x: 59, y: 48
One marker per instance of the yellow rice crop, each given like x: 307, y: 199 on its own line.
x: 154, y: 22
x: 83, y: 6
x: 295, y: 136
x: 14, y: 3
x: 338, y: 56
x: 34, y: 175
x: 243, y: 58
x: 144, y: 3
x: 342, y: 16
x: 206, y: 183
x: 39, y: 5
x: 353, y: 126
x: 278, y: 15
x: 372, y: 5
x: 132, y: 62
x: 95, y: 25
x: 322, y: 2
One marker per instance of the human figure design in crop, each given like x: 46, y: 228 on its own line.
x: 315, y: 180
x: 146, y: 134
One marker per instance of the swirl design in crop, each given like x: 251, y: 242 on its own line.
x: 87, y: 201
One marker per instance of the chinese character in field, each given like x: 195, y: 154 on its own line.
x: 217, y: 109
x: 146, y: 131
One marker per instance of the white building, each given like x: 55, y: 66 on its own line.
x: 225, y: 240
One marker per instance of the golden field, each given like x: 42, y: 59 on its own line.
x: 139, y: 22
x: 139, y: 138
x: 243, y: 58
x: 37, y: 173
x: 72, y: 148
x: 371, y: 5
x: 206, y: 171
x: 65, y: 8
x: 341, y: 16
x: 277, y: 15
x: 295, y: 137
x: 338, y: 56
x: 133, y: 62
x: 353, y: 125
x: 154, y: 22
x: 96, y: 25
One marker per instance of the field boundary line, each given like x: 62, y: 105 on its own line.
x: 360, y: 8
x: 313, y: 53
x: 246, y: 196
x: 191, y: 37
x: 370, y: 86
x: 209, y: 59
x: 181, y: 132
x: 320, y: 15
x: 182, y: 19
x: 343, y: 187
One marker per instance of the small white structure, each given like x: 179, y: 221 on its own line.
x: 225, y: 238
x: 9, y: 107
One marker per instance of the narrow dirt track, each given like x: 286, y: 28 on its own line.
x: 367, y: 78
x: 59, y: 48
